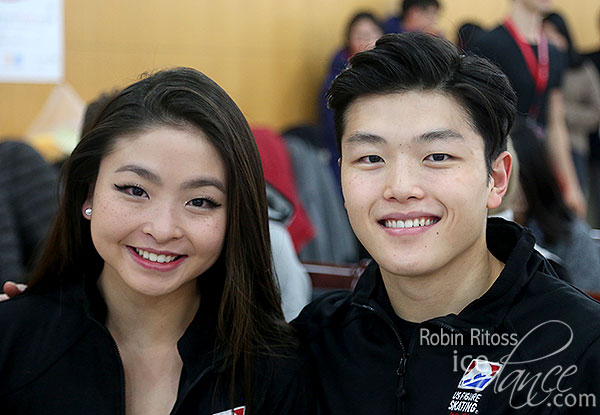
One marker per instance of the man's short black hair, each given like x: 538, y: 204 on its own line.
x: 422, y: 4
x: 421, y: 62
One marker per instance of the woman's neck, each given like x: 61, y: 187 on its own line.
x: 527, y: 21
x: 137, y: 320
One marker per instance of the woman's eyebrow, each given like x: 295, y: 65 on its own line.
x: 189, y: 184
x: 140, y: 171
x: 203, y: 182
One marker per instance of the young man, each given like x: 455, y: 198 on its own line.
x: 457, y: 315
x: 415, y: 16
x: 535, y: 69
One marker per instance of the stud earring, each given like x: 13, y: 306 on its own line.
x: 88, y: 212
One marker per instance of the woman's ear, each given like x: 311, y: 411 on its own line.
x: 501, y: 168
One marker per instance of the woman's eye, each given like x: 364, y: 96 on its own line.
x: 137, y: 191
x: 438, y: 157
x: 371, y: 159
x: 132, y: 190
x: 202, y: 202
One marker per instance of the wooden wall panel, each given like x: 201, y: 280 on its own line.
x: 270, y: 55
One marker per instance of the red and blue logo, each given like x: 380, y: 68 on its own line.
x: 479, y: 375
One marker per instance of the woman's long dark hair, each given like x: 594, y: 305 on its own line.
x: 250, y: 319
x: 540, y: 188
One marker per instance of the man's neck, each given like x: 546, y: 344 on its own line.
x: 527, y: 21
x: 448, y: 291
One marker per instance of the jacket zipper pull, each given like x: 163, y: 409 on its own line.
x: 400, y: 372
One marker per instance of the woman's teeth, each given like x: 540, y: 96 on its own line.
x: 150, y: 256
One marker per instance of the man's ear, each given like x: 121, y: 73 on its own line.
x: 501, y: 168
x: 339, y: 162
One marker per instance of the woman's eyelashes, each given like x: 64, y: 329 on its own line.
x: 132, y: 190
x: 204, y: 203
x: 136, y: 191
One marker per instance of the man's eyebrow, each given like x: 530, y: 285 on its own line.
x: 140, y: 171
x: 364, y: 138
x: 203, y: 182
x: 443, y: 134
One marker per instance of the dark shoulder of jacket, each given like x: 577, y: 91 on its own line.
x: 322, y: 312
x: 283, y: 380
x: 36, y: 329
x: 548, y: 300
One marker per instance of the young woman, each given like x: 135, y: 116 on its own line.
x: 155, y: 293
x: 362, y: 32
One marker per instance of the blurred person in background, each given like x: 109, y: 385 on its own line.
x: 467, y: 34
x: 581, y: 92
x: 362, y: 32
x: 28, y: 203
x: 535, y: 68
x: 595, y: 55
x: 415, y: 16
x: 540, y: 207
x: 594, y: 140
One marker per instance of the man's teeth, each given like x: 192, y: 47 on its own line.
x: 151, y: 256
x: 409, y: 223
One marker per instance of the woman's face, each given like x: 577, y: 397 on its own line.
x: 363, y: 35
x: 159, y: 211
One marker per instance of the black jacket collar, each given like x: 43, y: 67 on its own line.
x: 197, y: 346
x: 511, y: 244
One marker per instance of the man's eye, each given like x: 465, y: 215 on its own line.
x: 438, y: 157
x: 371, y: 159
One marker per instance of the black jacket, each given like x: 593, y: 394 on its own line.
x: 57, y: 357
x: 363, y: 366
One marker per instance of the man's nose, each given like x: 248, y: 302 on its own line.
x: 403, y: 182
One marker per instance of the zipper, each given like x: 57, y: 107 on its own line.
x: 401, y: 370
x: 179, y: 402
x: 121, y: 368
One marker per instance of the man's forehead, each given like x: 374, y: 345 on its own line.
x: 418, y: 115
x: 441, y: 134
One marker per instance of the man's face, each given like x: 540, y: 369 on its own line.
x: 415, y: 182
